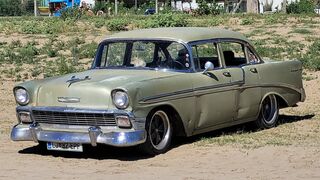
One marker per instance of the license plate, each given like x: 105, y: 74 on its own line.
x: 75, y: 147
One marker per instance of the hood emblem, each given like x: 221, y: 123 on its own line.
x: 68, y: 99
x: 74, y: 80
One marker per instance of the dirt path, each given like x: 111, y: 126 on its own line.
x: 189, y: 160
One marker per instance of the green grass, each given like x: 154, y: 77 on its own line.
x: 301, y: 31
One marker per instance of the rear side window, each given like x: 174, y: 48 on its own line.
x: 233, y: 53
x: 203, y: 53
x: 253, y: 59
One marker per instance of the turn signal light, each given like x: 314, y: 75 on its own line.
x: 123, y: 121
x: 25, y: 117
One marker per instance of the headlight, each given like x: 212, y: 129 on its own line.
x: 22, y: 96
x: 120, y: 99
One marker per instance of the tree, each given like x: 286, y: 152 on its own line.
x: 252, y: 6
x: 284, y: 6
x: 237, y: 7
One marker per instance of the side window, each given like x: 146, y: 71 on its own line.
x: 203, y: 53
x: 115, y: 54
x: 252, y: 57
x: 179, y: 55
x: 233, y: 53
x: 142, y: 53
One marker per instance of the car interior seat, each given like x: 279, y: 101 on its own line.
x: 229, y: 58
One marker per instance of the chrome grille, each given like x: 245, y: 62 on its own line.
x: 74, y: 118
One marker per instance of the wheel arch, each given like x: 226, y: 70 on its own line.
x: 178, y: 126
x: 282, y: 102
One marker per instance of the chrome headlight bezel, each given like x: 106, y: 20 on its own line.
x: 120, y: 98
x: 21, y: 96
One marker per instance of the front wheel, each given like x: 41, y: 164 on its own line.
x: 269, y: 113
x: 159, y: 133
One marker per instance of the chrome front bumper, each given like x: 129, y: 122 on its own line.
x: 34, y: 132
x: 65, y: 133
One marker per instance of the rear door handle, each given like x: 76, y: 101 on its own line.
x: 227, y: 74
x: 253, y: 70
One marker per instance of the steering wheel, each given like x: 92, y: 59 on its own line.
x: 178, y: 65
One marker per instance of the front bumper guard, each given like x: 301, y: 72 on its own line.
x: 94, y: 136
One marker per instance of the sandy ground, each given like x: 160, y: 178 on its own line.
x: 187, y: 160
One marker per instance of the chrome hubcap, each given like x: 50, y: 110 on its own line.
x: 269, y: 109
x: 159, y: 130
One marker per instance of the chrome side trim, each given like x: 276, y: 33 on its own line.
x: 211, y: 89
x: 189, y: 92
x: 219, y: 86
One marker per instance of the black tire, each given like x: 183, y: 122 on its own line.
x: 269, y: 113
x: 159, y: 133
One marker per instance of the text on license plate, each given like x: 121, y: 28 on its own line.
x: 76, y: 147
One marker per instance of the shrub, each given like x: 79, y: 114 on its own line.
x: 99, y: 22
x: 88, y: 50
x: 166, y: 20
x: 64, y: 67
x: 276, y: 18
x: 31, y: 27
x: 10, y: 8
x: 118, y: 24
x: 52, y: 52
x: 301, y: 7
x: 311, y: 59
x: 301, y: 31
x: 15, y: 44
x: 205, y: 9
x: 28, y: 53
x: 247, y: 21
x: 71, y: 13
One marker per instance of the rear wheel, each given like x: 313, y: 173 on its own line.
x: 269, y: 113
x: 159, y: 133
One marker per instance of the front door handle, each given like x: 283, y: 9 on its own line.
x: 227, y: 74
x: 253, y: 70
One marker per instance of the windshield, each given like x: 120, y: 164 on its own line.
x: 143, y: 54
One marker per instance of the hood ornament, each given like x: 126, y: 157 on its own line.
x: 74, y: 80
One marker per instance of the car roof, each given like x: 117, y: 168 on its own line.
x: 185, y: 34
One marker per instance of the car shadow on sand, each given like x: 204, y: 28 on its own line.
x: 99, y: 152
x: 102, y: 152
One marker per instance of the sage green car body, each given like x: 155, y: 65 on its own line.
x: 202, y: 103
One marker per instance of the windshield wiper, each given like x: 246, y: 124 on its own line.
x: 74, y: 80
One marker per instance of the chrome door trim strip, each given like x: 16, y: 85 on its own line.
x: 208, y: 90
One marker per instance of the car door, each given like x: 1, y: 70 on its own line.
x: 237, y: 58
x: 215, y: 90
x: 250, y: 94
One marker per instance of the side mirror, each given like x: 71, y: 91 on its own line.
x: 208, y: 67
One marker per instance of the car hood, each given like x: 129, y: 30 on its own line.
x: 92, y: 88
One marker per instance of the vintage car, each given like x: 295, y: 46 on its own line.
x: 146, y: 86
